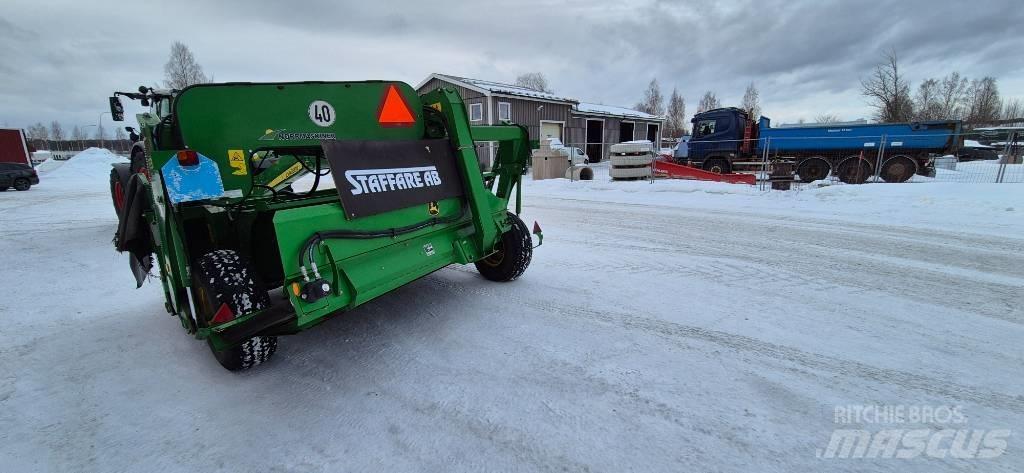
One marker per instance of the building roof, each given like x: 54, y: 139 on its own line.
x: 612, y: 110
x: 489, y: 87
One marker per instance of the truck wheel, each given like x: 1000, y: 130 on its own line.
x: 3, y: 188
x: 813, y: 169
x: 117, y: 192
x: 22, y: 184
x: 898, y: 169
x: 513, y: 255
x: 717, y: 165
x: 854, y: 170
x: 223, y: 278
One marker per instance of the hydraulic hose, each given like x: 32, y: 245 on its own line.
x: 307, y: 247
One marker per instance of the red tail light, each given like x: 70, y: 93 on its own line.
x: 188, y: 158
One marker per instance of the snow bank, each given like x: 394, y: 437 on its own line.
x: 89, y: 169
x: 985, y: 208
x: 49, y: 165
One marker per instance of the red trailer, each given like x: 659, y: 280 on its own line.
x: 14, y: 147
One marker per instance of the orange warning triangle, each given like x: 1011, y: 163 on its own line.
x: 394, y: 111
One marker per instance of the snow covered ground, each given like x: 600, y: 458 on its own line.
x: 673, y: 326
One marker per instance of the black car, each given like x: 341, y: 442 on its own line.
x: 16, y: 175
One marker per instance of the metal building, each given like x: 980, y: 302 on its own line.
x: 592, y: 127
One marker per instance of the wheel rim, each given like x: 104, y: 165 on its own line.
x: 899, y: 169
x: 119, y: 195
x: 814, y: 170
x: 855, y: 171
x: 495, y: 259
x: 21, y: 184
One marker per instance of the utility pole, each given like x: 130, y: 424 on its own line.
x: 99, y: 127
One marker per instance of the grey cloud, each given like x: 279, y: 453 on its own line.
x: 804, y: 55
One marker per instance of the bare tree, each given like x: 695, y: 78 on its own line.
x: 951, y: 95
x: 675, y: 125
x: 77, y: 133
x: 983, y: 104
x: 101, y: 132
x: 928, y: 103
x: 1013, y: 109
x: 181, y: 69
x: 826, y: 118
x: 533, y: 80
x: 708, y: 102
x: 888, y: 91
x: 119, y: 134
x: 653, y: 102
x: 56, y: 131
x: 38, y: 132
x: 751, y: 101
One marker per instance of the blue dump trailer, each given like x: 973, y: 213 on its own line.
x: 726, y: 140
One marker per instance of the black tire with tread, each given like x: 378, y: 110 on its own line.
x: 22, y: 184
x: 513, y: 255
x: 717, y: 163
x: 898, y: 168
x: 224, y: 277
x: 854, y: 170
x: 115, y: 180
x: 813, y: 169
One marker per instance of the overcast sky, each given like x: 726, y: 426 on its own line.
x: 61, y: 59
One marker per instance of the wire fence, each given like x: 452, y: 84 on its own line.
x: 795, y: 160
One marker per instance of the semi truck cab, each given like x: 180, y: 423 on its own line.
x: 718, y: 138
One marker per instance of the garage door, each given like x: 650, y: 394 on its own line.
x: 551, y: 130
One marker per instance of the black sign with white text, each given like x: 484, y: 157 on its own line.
x: 379, y: 176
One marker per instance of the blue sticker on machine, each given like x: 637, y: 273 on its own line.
x: 191, y: 183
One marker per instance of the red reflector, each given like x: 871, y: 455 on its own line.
x: 224, y: 314
x: 188, y: 158
x: 393, y: 109
x: 536, y: 227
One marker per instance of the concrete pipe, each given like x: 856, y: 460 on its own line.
x: 580, y: 173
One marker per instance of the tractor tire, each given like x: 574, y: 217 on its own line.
x: 854, y: 170
x: 512, y: 256
x: 898, y: 169
x: 138, y: 161
x: 813, y: 169
x: 222, y: 277
x: 117, y: 193
x: 717, y: 165
x: 22, y: 184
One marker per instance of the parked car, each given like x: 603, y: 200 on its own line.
x: 682, y: 149
x: 974, y: 151
x: 17, y: 175
x: 575, y: 155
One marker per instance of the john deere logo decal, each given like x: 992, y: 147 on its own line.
x: 285, y: 135
x: 432, y: 209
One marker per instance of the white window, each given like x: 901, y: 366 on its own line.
x: 504, y: 111
x: 476, y: 112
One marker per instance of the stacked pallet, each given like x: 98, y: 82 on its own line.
x: 631, y: 160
